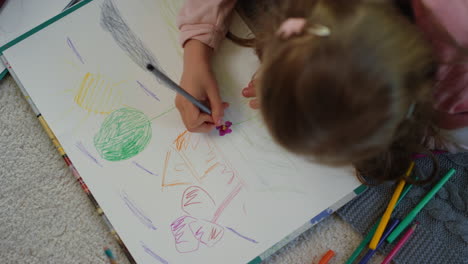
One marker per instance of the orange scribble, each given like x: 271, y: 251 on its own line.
x: 180, y: 140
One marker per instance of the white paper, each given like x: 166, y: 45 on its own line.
x: 19, y: 16
x: 180, y: 198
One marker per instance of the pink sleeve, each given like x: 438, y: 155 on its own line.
x: 205, y: 20
x: 451, y: 91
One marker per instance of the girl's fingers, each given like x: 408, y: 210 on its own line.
x: 216, y: 104
x: 254, y: 104
x: 249, y: 92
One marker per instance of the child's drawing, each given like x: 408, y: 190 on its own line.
x: 113, y: 22
x: 242, y: 236
x: 168, y: 10
x: 192, y: 229
x: 96, y: 95
x: 143, y: 168
x: 147, y: 91
x: 194, y: 158
x: 137, y: 212
x: 72, y: 46
x: 152, y: 253
x: 123, y: 134
x: 83, y: 150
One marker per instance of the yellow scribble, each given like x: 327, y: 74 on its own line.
x: 97, y: 95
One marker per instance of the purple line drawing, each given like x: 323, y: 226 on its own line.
x: 152, y: 254
x: 143, y: 168
x: 82, y: 148
x: 70, y: 44
x: 137, y: 211
x: 148, y: 91
x: 242, y: 236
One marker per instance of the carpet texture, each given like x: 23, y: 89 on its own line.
x: 45, y: 217
x: 442, y: 235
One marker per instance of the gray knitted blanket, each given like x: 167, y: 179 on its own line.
x: 442, y: 236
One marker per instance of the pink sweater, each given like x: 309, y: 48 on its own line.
x: 206, y: 20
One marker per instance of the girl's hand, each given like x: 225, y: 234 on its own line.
x: 250, y: 92
x: 199, y: 81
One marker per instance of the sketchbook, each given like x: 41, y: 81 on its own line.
x: 171, y: 196
x: 19, y: 16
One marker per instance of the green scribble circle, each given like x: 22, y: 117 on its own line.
x: 123, y: 134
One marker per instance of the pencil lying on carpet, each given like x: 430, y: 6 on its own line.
x: 388, y: 212
x: 161, y: 76
x: 371, y: 233
x: 400, y: 244
x: 411, y: 215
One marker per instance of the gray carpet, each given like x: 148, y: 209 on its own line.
x: 45, y: 217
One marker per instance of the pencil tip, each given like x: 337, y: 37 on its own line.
x: 149, y: 67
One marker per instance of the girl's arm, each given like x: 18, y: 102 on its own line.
x: 203, y: 24
x: 205, y: 20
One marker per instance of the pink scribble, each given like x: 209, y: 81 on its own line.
x: 206, y: 232
x: 185, y: 241
x: 189, y: 231
x: 226, y: 202
x: 70, y: 44
x: 225, y: 129
x: 197, y: 202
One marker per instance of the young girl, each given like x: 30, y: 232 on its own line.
x: 342, y: 82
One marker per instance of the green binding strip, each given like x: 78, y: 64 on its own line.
x: 3, y: 74
x: 360, y: 189
x: 256, y: 260
x: 43, y: 25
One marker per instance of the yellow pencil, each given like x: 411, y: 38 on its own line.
x: 388, y: 212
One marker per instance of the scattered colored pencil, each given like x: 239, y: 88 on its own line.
x: 327, y: 257
x: 369, y: 235
x: 370, y: 253
x: 388, y: 212
x: 410, y: 217
x: 110, y: 255
x: 400, y: 244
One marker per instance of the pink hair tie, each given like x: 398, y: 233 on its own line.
x: 290, y: 27
x: 296, y: 26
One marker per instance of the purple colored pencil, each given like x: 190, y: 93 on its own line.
x: 387, y: 232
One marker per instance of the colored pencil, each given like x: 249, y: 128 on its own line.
x: 70, y: 4
x: 387, y: 232
x: 400, y: 244
x: 369, y: 235
x: 165, y: 79
x: 327, y: 257
x: 410, y: 217
x: 110, y: 255
x: 388, y: 212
